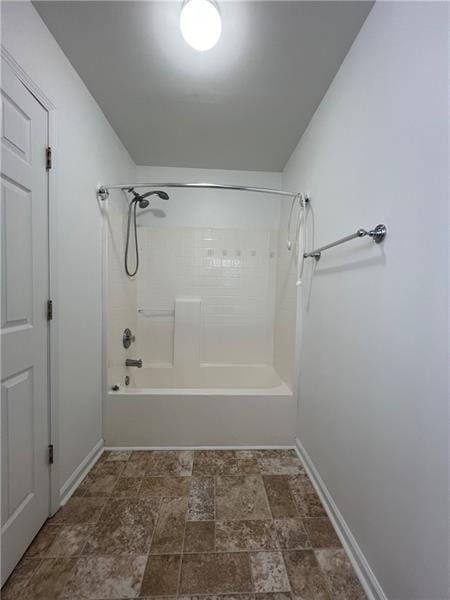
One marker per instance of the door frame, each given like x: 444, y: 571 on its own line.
x: 53, y: 325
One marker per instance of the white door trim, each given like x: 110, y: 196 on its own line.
x: 36, y: 91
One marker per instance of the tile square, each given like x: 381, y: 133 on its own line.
x: 321, y: 533
x: 127, y: 486
x: 280, y: 453
x: 242, y: 466
x: 268, y: 572
x: 136, y: 465
x: 100, y: 483
x: 15, y: 586
x: 225, y: 462
x: 301, y: 485
x: 42, y: 542
x: 309, y: 505
x: 126, y: 527
x: 291, y: 534
x: 284, y: 465
x: 340, y: 575
x: 165, y: 486
x: 105, y: 467
x: 215, y: 574
x: 305, y: 576
x: 199, y: 536
x: 118, y: 455
x: 80, y: 510
x: 210, y: 462
x: 245, y: 454
x: 104, y: 455
x: 111, y: 577
x: 168, y: 536
x: 236, y: 536
x: 201, y: 499
x: 161, y: 575
x: 70, y: 540
x: 171, y: 462
x: 79, y: 491
x: 279, y: 494
x: 50, y: 578
x: 241, y: 497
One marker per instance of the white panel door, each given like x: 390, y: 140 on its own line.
x: 24, y: 327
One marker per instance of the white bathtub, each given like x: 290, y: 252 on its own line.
x: 218, y: 405
x: 215, y: 376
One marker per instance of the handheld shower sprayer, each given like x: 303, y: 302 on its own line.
x: 143, y: 202
x: 142, y: 198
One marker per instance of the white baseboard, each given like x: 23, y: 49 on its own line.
x: 80, y: 472
x: 284, y: 447
x: 362, y: 568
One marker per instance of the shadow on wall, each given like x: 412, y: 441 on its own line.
x: 155, y: 212
x: 353, y: 266
x: 346, y: 265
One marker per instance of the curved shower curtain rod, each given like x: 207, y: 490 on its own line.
x: 103, y: 190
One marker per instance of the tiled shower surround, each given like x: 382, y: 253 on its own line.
x: 192, y: 525
x: 230, y: 272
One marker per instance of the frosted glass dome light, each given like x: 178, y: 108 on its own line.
x: 200, y: 24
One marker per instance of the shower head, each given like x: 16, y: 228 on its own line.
x: 162, y: 195
x: 142, y: 198
x: 143, y: 203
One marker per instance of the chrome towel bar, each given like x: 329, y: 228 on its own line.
x: 377, y: 234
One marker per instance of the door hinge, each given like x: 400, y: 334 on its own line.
x: 49, y: 310
x: 51, y: 456
x: 48, y: 158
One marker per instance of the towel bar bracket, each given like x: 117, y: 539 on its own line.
x: 378, y: 234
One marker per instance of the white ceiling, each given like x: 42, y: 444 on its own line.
x: 242, y: 105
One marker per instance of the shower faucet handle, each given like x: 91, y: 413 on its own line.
x: 128, y: 338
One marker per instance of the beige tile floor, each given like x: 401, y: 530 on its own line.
x: 192, y: 525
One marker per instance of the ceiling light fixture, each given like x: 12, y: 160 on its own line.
x: 200, y: 23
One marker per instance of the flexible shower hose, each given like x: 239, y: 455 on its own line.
x: 132, y: 213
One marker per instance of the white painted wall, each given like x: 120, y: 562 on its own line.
x: 373, y: 384
x: 213, y: 208
x: 88, y: 152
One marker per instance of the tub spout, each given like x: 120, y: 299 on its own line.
x: 134, y: 362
